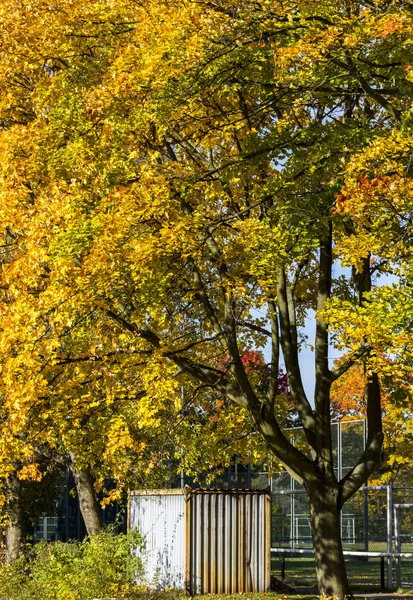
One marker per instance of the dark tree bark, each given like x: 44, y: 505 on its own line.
x: 15, y: 535
x: 328, y: 552
x: 89, y: 505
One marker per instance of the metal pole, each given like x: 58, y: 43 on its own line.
x: 282, y: 524
x: 398, y: 540
x: 283, y: 566
x: 389, y: 537
x: 339, y: 455
x: 182, y: 474
x: 292, y: 515
x: 67, y: 505
x: 366, y: 519
x: 182, y: 481
x: 78, y: 517
x: 398, y: 547
x: 382, y: 587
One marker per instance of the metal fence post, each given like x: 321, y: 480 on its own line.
x: 366, y: 519
x: 339, y: 451
x: 398, y: 547
x: 66, y: 538
x: 292, y: 515
x: 390, y: 537
x: 249, y: 473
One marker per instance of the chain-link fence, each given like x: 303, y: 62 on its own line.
x: 403, y: 535
x: 363, y: 519
x: 367, y: 519
x: 376, y: 523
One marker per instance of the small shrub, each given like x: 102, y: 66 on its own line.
x: 103, y: 566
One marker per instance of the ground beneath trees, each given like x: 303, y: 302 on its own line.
x: 301, y: 595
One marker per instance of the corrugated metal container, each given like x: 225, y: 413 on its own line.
x: 228, y: 533
x: 159, y: 516
x: 222, y: 543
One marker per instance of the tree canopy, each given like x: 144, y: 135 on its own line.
x: 177, y: 182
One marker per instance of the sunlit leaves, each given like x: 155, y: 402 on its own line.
x: 159, y: 163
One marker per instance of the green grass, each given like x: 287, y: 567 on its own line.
x: 152, y: 595
x: 300, y: 572
x: 249, y: 596
x: 364, y: 575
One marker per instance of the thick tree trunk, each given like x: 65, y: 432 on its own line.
x: 328, y: 551
x: 89, y: 505
x: 15, y: 529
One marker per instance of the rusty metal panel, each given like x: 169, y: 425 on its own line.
x: 229, y: 541
x: 159, y: 516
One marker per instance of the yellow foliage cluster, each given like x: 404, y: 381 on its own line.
x: 159, y: 162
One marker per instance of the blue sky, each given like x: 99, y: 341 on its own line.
x: 307, y: 354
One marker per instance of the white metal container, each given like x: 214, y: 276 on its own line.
x: 205, y: 541
x: 159, y: 516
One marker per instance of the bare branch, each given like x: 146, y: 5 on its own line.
x: 171, y: 353
x: 370, y: 457
x: 145, y: 334
x: 275, y: 354
x: 290, y: 352
x: 253, y: 327
x: 346, y: 365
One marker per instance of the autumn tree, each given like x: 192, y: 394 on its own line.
x: 348, y: 403
x: 188, y: 173
x: 347, y: 397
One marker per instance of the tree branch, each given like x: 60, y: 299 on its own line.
x: 290, y: 352
x: 145, y: 333
x: 322, y: 372
x: 256, y: 328
x: 275, y: 354
x: 204, y: 299
x: 370, y: 457
x: 345, y: 366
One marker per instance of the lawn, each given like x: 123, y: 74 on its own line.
x: 249, y: 596
x: 364, y: 575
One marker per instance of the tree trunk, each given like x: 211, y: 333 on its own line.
x: 326, y: 532
x: 15, y: 529
x: 89, y: 505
